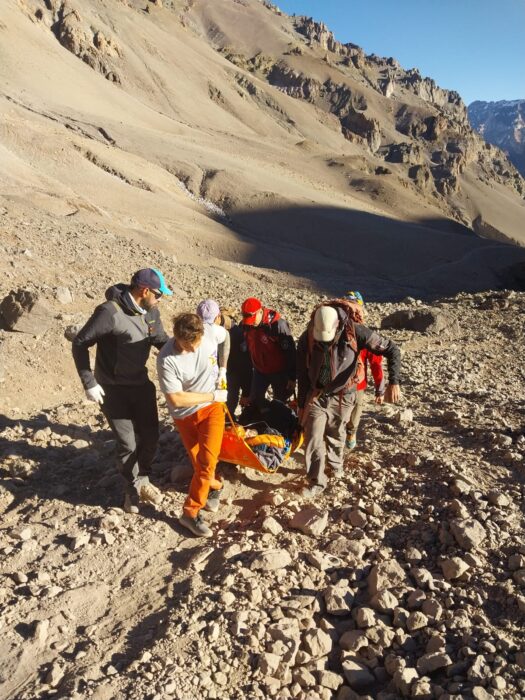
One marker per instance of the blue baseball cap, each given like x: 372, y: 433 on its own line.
x: 355, y: 296
x: 151, y: 278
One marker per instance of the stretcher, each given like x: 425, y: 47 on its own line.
x: 236, y: 448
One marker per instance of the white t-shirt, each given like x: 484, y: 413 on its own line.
x: 189, y: 371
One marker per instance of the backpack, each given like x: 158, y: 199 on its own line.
x: 229, y: 317
x: 354, y: 314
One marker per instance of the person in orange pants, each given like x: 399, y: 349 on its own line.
x: 201, y: 435
x: 189, y: 376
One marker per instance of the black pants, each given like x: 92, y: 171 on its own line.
x: 261, y: 382
x: 131, y: 412
x: 234, y: 392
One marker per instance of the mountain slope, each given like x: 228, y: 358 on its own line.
x: 502, y: 124
x: 230, y: 124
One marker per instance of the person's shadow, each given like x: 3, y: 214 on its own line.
x: 68, y: 462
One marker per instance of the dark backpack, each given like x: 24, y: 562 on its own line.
x: 274, y: 414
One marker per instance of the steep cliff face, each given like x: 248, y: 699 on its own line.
x: 437, y: 126
x: 503, y: 125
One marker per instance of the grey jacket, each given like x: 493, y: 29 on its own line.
x: 123, y: 337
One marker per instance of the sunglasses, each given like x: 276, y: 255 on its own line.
x: 157, y: 295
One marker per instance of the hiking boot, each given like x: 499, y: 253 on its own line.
x: 131, y: 502
x: 150, y: 494
x: 214, y: 499
x: 195, y: 525
x: 351, y: 442
x: 312, y: 491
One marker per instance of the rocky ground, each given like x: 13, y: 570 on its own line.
x: 405, y: 579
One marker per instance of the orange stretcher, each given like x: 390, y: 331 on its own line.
x: 236, y: 450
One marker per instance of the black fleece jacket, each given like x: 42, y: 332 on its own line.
x: 239, y: 360
x: 123, y: 337
x: 343, y: 361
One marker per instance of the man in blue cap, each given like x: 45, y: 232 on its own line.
x: 124, y: 328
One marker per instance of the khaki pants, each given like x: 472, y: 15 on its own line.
x: 355, y: 416
x: 201, y: 434
x: 325, y: 434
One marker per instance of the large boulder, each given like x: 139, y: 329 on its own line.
x: 428, y: 663
x: 358, y: 676
x: 317, y: 642
x: 421, y: 320
x: 24, y: 311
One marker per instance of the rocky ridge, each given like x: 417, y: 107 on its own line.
x: 438, y: 140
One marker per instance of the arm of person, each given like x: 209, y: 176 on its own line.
x: 379, y: 345
x: 303, y: 379
x: 185, y: 399
x: 100, y: 324
x: 376, y: 367
x: 392, y: 393
x: 223, y: 349
x: 287, y: 344
x: 158, y: 337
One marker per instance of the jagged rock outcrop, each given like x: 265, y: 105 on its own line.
x: 348, y: 106
x: 403, y: 152
x: 422, y: 176
x: 319, y: 33
x: 24, y: 311
x: 427, y: 89
x: 76, y: 34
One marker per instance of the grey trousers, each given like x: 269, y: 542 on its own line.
x: 325, y: 434
x: 131, y: 412
x: 355, y: 416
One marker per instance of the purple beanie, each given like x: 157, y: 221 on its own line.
x: 208, y: 310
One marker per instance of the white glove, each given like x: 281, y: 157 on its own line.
x: 221, y: 381
x: 220, y: 395
x: 96, y: 393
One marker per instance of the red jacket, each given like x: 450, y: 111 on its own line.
x: 271, y: 345
x: 376, y: 367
